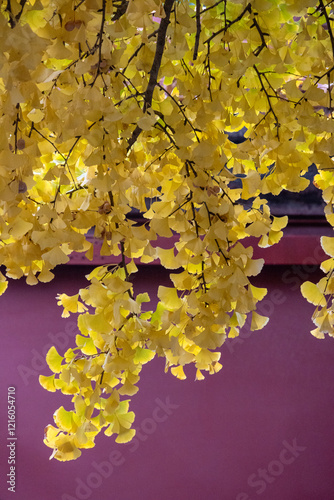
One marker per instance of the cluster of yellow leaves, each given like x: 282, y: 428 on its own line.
x: 103, y: 367
x: 322, y: 294
x: 128, y: 106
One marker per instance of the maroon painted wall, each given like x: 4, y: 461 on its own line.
x: 262, y: 428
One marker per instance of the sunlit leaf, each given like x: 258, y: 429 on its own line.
x: 54, y: 360
x: 312, y: 294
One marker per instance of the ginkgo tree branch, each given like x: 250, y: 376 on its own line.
x: 158, y: 158
x: 164, y: 126
x: 187, y: 200
x: 201, y: 277
x: 34, y: 129
x: 154, y: 72
x: 262, y: 36
x: 324, y: 12
x: 208, y: 68
x: 211, y: 7
x: 16, y: 129
x: 268, y: 97
x: 121, y: 6
x: 123, y: 261
x: 99, y: 41
x: 229, y: 23
x: 136, y: 52
x: 14, y: 19
x: 181, y: 108
x: 216, y: 241
x: 330, y: 99
x: 198, y: 29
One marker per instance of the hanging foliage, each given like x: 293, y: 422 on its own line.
x: 110, y: 107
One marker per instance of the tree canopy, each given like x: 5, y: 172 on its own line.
x: 110, y: 108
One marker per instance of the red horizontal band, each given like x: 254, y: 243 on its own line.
x: 299, y: 245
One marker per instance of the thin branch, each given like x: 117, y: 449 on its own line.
x: 208, y: 68
x: 158, y: 54
x: 319, y: 7
x: 329, y: 95
x: 8, y: 9
x: 268, y: 97
x: 148, y: 96
x: 48, y: 140
x: 189, y: 163
x: 138, y: 49
x: 164, y: 128
x: 194, y: 219
x: 127, y: 83
x: 123, y: 263
x: 211, y: 7
x: 65, y: 164
x: 89, y: 356
x: 99, y: 40
x: 201, y: 276
x: 120, y: 9
x: 16, y: 123
x: 186, y: 68
x: 248, y: 8
x: 180, y: 106
x: 198, y: 28
x: 78, y: 5
x: 188, y: 198
x: 325, y: 13
x: 13, y: 20
x: 216, y: 241
x: 159, y: 157
x: 262, y: 35
x: 19, y: 14
x: 127, y: 277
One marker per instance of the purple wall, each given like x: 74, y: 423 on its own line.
x: 260, y: 428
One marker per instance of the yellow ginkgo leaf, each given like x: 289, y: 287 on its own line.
x: 3, y: 286
x: 327, y: 243
x: 86, y: 345
x: 258, y: 293
x: 199, y: 375
x: 167, y: 258
x: 126, y: 436
x: 143, y: 356
x: 317, y: 333
x: 54, y: 360
x: 169, y: 298
x: 55, y: 256
x: 258, y: 321
x: 48, y: 382
x: 178, y: 372
x: 63, y: 419
x: 312, y: 293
